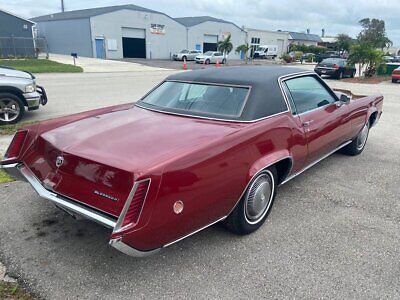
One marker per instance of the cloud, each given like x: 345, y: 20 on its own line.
x: 335, y: 16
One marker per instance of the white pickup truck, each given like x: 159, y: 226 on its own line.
x: 266, y: 51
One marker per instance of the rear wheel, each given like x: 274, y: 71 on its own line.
x: 353, y: 74
x: 11, y: 109
x: 340, y: 75
x: 394, y: 80
x: 358, y: 144
x: 253, y: 209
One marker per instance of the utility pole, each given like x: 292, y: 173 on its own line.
x: 62, y: 6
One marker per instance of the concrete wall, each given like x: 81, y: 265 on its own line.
x: 279, y: 38
x: 67, y: 36
x: 158, y: 46
x: 196, y: 35
x: 13, y: 26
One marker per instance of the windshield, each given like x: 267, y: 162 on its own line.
x: 205, y: 99
x: 208, y: 53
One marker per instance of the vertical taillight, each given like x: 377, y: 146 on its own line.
x: 14, y: 150
x: 134, y: 207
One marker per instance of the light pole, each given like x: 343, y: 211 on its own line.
x: 62, y: 6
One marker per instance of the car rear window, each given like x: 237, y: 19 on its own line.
x: 206, y: 99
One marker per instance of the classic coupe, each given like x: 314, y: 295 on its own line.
x: 202, y: 147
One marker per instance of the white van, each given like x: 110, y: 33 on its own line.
x: 266, y: 51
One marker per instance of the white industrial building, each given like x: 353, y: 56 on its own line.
x: 257, y: 37
x: 130, y: 31
x: 203, y: 33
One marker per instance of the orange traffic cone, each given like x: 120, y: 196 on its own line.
x: 217, y: 64
x: 184, y: 65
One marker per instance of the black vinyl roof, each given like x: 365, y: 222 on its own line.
x: 265, y: 98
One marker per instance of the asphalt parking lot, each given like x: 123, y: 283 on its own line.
x: 334, y: 231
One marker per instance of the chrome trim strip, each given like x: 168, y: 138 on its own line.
x: 118, y: 226
x: 124, y: 248
x: 194, y: 232
x: 20, y: 171
x: 63, y: 202
x: 213, y: 119
x: 315, y: 162
x: 12, y: 170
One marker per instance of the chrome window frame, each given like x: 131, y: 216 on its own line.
x: 248, y: 87
x: 306, y: 74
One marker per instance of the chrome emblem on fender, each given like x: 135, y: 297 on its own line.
x: 59, y: 161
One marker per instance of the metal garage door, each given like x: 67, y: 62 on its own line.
x: 210, y: 42
x: 133, y: 42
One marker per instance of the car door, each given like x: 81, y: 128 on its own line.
x: 324, y: 118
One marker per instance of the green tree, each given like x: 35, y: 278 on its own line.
x: 367, y: 57
x: 343, y: 43
x: 225, y: 46
x: 245, y: 49
x: 374, y: 33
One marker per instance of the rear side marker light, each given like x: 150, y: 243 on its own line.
x: 131, y: 212
x: 14, y: 150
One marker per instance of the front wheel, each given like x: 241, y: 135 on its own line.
x: 358, y: 144
x: 253, y: 209
x: 11, y: 109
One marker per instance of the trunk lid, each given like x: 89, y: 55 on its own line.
x: 102, y: 155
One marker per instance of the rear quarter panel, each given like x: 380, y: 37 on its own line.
x: 361, y: 110
x: 211, y: 180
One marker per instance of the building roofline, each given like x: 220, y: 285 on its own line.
x: 14, y: 15
x: 100, y: 11
x: 210, y: 19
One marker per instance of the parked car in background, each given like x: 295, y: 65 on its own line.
x: 266, y: 51
x: 18, y: 90
x: 335, y: 67
x: 396, y: 75
x: 309, y: 57
x: 210, y: 57
x: 396, y: 58
x: 388, y: 58
x: 186, y: 55
x: 202, y: 147
x: 328, y: 54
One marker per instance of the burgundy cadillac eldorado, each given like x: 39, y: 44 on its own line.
x: 202, y: 147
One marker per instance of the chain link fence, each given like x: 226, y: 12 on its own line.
x: 19, y: 47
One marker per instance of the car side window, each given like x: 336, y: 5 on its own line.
x: 308, y: 93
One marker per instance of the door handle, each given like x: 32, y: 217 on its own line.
x: 307, y: 123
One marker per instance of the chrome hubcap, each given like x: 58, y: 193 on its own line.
x: 9, y: 110
x: 259, y: 198
x: 362, y: 137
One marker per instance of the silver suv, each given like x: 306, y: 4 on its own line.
x: 18, y: 90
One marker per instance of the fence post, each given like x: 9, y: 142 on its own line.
x: 13, y: 43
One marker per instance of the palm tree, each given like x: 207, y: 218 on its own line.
x: 245, y: 49
x: 225, y: 46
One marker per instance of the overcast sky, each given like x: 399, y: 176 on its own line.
x: 294, y: 15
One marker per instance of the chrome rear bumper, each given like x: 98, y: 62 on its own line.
x: 20, y: 172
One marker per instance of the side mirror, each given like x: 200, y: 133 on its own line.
x: 344, y: 98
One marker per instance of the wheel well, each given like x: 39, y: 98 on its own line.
x: 372, y: 118
x: 283, y: 168
x: 15, y: 92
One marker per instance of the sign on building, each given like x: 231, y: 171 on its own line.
x: 157, y: 29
